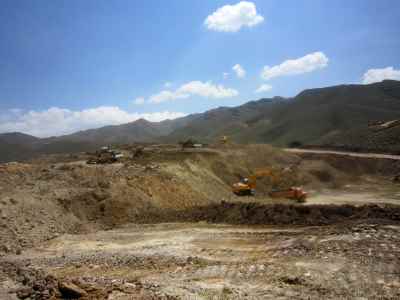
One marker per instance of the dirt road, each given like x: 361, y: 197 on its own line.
x: 343, y: 153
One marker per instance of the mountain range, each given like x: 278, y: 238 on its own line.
x: 336, y: 117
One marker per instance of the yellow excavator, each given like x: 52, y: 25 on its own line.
x: 246, y: 186
x: 224, y: 140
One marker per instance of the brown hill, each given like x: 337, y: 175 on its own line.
x: 335, y: 116
x: 308, y: 118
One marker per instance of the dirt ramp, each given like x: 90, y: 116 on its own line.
x: 356, y: 166
x: 287, y: 214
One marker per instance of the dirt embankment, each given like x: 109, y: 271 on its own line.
x: 287, y: 214
x: 41, y: 200
x: 357, y: 164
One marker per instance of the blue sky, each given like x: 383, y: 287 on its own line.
x: 81, y: 64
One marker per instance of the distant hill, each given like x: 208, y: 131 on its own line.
x: 337, y: 116
x: 308, y: 118
x: 236, y: 122
x: 17, y: 146
x: 365, y: 139
x: 17, y: 138
x: 140, y: 130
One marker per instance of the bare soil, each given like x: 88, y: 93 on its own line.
x: 167, y: 226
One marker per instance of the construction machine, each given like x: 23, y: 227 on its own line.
x: 224, y: 140
x: 189, y: 143
x: 246, y: 186
x: 294, y: 193
x: 105, y: 156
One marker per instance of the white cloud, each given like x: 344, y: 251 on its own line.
x: 240, y: 72
x: 167, y: 84
x: 207, y: 89
x: 139, y: 101
x: 377, y: 75
x: 58, y: 121
x: 231, y: 18
x: 305, y: 64
x: 225, y: 75
x: 194, y: 88
x: 263, y: 88
x: 164, y: 96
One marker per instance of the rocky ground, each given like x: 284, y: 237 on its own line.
x: 166, y: 226
x: 204, y: 261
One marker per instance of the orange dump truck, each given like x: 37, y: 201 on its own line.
x: 295, y: 193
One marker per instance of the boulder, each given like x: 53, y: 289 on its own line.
x: 70, y: 290
x: 24, y: 293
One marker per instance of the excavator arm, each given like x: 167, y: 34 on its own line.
x: 270, y: 173
x: 246, y: 186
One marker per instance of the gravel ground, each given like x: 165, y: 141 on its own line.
x: 204, y: 261
x: 72, y: 231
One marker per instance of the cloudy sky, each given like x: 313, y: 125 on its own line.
x: 69, y: 65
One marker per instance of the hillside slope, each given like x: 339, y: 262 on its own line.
x: 140, y: 130
x: 307, y: 118
x: 335, y: 116
x: 366, y: 139
x: 237, y: 122
x: 19, y: 146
